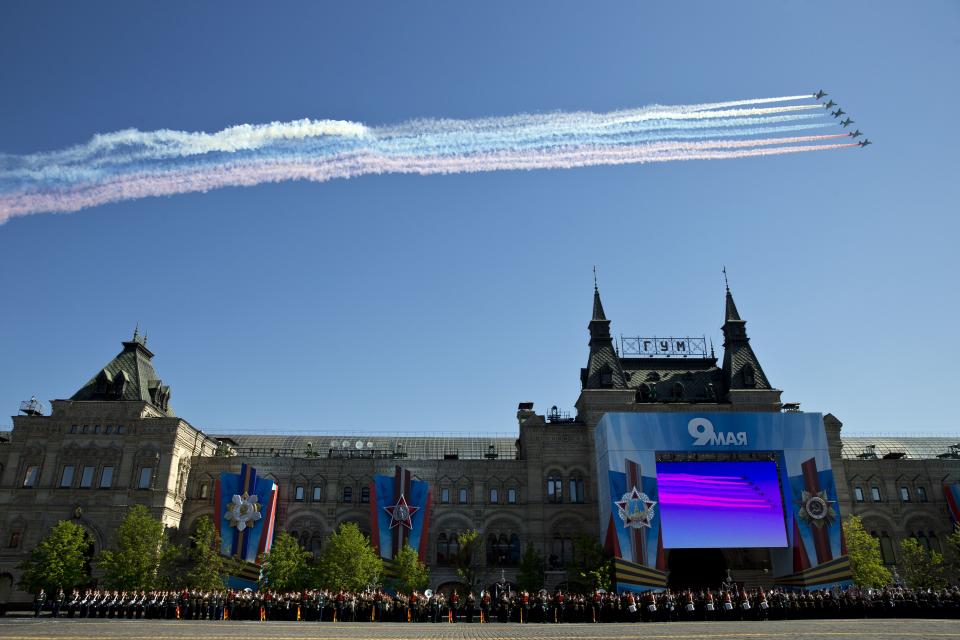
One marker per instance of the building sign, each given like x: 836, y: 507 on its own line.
x: 663, y: 347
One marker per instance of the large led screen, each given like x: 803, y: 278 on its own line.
x: 720, y: 504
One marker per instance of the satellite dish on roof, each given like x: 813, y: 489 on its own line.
x: 345, y: 444
x: 369, y: 445
x: 333, y: 444
x: 358, y: 444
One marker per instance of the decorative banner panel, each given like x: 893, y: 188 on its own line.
x: 663, y: 485
x: 952, y: 493
x: 246, y: 511
x: 399, y: 513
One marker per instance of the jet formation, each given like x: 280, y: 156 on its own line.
x: 846, y: 122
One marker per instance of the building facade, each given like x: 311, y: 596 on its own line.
x: 117, y: 442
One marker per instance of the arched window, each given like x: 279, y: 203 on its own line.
x: 365, y: 495
x: 643, y: 393
x: 749, y: 377
x: 348, y: 494
x: 576, y: 489
x: 554, y: 489
x: 317, y: 493
x: 678, y: 391
x: 606, y: 377
x: 298, y: 493
x: 316, y: 543
x: 442, y: 549
x: 514, y: 549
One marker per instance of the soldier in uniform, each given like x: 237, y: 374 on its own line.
x: 39, y: 602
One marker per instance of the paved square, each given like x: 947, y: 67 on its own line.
x: 65, y: 629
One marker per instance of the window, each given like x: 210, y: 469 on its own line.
x: 442, y: 549
x: 494, y: 496
x: 462, y: 495
x: 365, y: 495
x: 921, y: 494
x: 106, y: 478
x: 14, y: 540
x: 86, y: 477
x: 73, y: 428
x: 96, y: 428
x: 445, y: 495
x: 298, y: 493
x: 554, y: 489
x: 875, y: 494
x: 905, y: 494
x: 119, y: 428
x: 109, y: 429
x: 317, y: 493
x: 66, y: 478
x: 606, y: 377
x: 84, y: 428
x: 348, y: 494
x: 576, y: 490
x: 146, y: 476
x: 511, y: 496
x: 31, y: 476
x: 886, y: 549
x: 204, y: 491
x: 858, y: 494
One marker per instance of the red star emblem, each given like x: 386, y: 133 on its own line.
x: 401, y: 513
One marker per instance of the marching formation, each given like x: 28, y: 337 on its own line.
x: 506, y: 606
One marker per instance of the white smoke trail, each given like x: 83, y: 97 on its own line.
x: 132, y: 186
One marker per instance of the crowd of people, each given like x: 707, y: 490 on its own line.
x: 503, y: 605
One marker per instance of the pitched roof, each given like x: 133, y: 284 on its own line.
x: 129, y: 376
x: 603, y: 370
x: 741, y: 368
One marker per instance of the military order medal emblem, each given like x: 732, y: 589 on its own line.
x: 636, y: 509
x: 401, y: 514
x: 815, y: 509
x: 243, y: 511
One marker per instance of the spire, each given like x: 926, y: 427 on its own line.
x: 741, y: 368
x: 603, y: 370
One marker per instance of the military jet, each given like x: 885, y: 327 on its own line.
x: 864, y: 143
x: 846, y: 123
x: 829, y: 104
x: 837, y: 113
x: 854, y: 134
x: 819, y: 94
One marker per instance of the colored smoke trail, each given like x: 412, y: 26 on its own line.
x: 131, y: 164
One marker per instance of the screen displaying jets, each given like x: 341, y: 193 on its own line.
x: 846, y: 122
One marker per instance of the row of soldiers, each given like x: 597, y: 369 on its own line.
x: 503, y: 605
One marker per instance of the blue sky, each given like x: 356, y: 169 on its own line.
x: 407, y: 303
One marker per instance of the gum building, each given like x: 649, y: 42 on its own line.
x: 117, y: 441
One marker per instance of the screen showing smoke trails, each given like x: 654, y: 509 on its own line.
x: 720, y: 504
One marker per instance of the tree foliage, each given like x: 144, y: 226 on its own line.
x: 953, y: 549
x: 207, y: 566
x: 922, y: 568
x: 863, y: 549
x: 348, y: 561
x: 468, y: 560
x: 141, y: 551
x: 286, y: 566
x: 60, y: 560
x: 410, y: 574
x: 591, y: 565
x: 532, y: 573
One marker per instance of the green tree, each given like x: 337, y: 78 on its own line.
x: 286, y: 566
x: 410, y: 574
x: 468, y: 560
x: 863, y: 549
x: 953, y: 549
x: 60, y: 560
x: 922, y: 568
x: 532, y: 573
x: 141, y: 552
x: 207, y: 566
x: 348, y: 561
x: 591, y: 565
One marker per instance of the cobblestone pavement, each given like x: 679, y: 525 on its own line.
x: 64, y: 629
